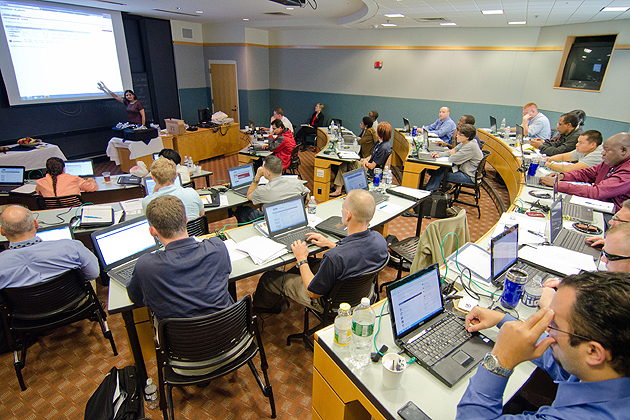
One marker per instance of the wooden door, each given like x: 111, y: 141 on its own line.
x: 224, y: 89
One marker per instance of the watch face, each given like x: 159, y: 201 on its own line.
x: 489, y: 361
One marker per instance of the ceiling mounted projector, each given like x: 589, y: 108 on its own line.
x: 298, y: 3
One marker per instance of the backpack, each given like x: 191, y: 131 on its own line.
x: 100, y: 406
x: 436, y: 205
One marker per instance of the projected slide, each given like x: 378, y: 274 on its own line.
x: 59, y: 54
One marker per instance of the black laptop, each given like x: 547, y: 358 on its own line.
x: 241, y: 178
x: 333, y: 226
x: 286, y: 220
x: 357, y: 180
x: 11, y: 177
x: 406, y: 125
x: 425, y: 330
x: 493, y: 124
x: 568, y: 238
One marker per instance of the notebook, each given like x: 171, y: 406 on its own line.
x: 11, y: 177
x: 286, y: 220
x: 149, y: 184
x: 80, y: 168
x: 567, y: 238
x: 55, y: 233
x: 240, y: 178
x: 425, y: 330
x: 118, y: 247
x: 504, y: 256
x: 357, y: 180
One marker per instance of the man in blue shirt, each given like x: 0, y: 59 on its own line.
x: 29, y: 260
x: 444, y: 126
x: 536, y: 125
x: 586, y: 351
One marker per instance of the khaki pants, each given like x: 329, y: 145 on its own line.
x: 345, y: 167
x: 274, y: 285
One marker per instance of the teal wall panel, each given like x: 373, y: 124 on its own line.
x: 191, y: 100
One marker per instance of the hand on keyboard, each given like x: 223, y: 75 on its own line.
x: 319, y: 240
x: 300, y: 250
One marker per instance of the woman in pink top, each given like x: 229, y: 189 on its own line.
x: 57, y: 183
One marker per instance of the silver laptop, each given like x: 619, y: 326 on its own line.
x: 80, y: 168
x: 149, y: 184
x: 572, y: 210
x: 240, y: 178
x: 425, y: 330
x: 118, y: 247
x: 357, y: 180
x: 11, y: 177
x: 567, y: 238
x: 55, y: 233
x: 286, y: 220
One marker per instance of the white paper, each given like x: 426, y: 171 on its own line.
x: 390, y: 208
x: 343, y: 154
x: 133, y: 206
x: 525, y: 225
x: 591, y: 203
x: 467, y: 303
x: 314, y: 220
x: 223, y: 201
x: 118, y: 214
x: 261, y: 249
x: 443, y: 159
x: 419, y: 194
x: 25, y: 189
x: 477, y: 259
x: 235, y: 254
x: 558, y: 259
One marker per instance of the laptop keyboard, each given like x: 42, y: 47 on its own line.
x: 573, y: 240
x: 531, y: 271
x: 297, y: 235
x: 379, y: 197
x: 577, y: 212
x: 439, y: 340
x: 124, y: 274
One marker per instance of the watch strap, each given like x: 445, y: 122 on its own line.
x: 299, y: 263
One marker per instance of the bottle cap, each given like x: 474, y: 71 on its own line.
x: 344, y: 306
x: 365, y: 301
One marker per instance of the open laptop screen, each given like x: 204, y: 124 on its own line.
x: 555, y: 219
x: 241, y: 175
x: 149, y: 183
x: 123, y: 242
x: 55, y: 233
x: 407, y: 127
x: 283, y: 215
x: 415, y: 299
x: 11, y: 175
x: 80, y: 168
x: 493, y: 123
x: 355, y: 180
x: 503, y: 251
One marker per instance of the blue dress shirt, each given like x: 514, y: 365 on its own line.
x: 575, y: 400
x: 443, y: 129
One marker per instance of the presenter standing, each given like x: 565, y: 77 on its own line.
x: 135, y: 110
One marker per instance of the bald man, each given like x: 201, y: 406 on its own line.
x: 444, y: 126
x: 29, y: 260
x: 609, y: 181
x: 363, y: 250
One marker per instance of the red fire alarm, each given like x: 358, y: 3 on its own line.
x: 378, y: 64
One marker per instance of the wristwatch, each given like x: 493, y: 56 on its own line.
x: 491, y: 363
x: 299, y: 263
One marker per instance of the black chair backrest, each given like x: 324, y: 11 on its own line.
x: 210, y: 338
x: 352, y: 290
x: 385, y: 160
x: 481, y: 169
x: 47, y: 203
x: 47, y: 298
x: 198, y: 226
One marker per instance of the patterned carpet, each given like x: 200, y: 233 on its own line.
x: 64, y: 368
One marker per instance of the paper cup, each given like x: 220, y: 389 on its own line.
x: 391, y: 376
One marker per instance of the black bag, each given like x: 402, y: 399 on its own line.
x: 436, y: 204
x: 100, y: 405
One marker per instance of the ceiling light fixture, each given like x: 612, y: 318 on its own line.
x: 614, y: 9
x: 290, y: 8
x: 199, y: 11
x: 245, y: 19
x: 518, y: 22
x: 448, y: 24
x: 388, y: 24
x: 394, y: 15
x: 492, y: 12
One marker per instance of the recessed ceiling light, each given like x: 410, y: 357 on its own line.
x: 518, y: 22
x: 614, y: 9
x: 393, y: 15
x: 199, y: 11
x: 587, y: 50
x: 388, y: 24
x: 583, y: 56
x: 448, y: 24
x: 290, y: 8
x: 245, y: 19
x: 178, y: 8
x: 492, y: 12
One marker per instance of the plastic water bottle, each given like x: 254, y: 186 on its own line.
x: 362, y: 331
x: 355, y: 143
x: 343, y: 326
x: 503, y: 124
x: 312, y: 208
x: 506, y: 134
x: 387, y: 178
x: 151, y: 395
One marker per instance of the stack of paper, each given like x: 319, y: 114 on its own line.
x: 530, y: 231
x: 558, y: 259
x: 132, y: 207
x: 344, y: 154
x: 261, y: 249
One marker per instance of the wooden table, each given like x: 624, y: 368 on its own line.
x: 206, y: 143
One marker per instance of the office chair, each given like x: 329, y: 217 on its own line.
x: 198, y: 226
x: 475, y: 185
x: 216, y: 344
x: 53, y: 303
x: 48, y: 203
x: 294, y: 165
x: 351, y: 290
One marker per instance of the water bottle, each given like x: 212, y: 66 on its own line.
x: 506, y: 134
x: 362, y: 332
x: 151, y: 395
x: 387, y: 178
x: 312, y: 208
x: 503, y: 124
x: 355, y: 143
x: 532, y: 292
x: 343, y: 326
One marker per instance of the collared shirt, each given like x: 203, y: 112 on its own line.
x: 466, y: 158
x: 539, y: 127
x: 278, y: 188
x: 186, y: 279
x: 188, y: 196
x: 562, y: 143
x: 66, y: 185
x: 443, y: 129
x: 574, y: 400
x: 380, y: 153
x: 589, y: 159
x: 34, y: 261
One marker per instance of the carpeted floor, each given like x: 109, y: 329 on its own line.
x: 64, y: 368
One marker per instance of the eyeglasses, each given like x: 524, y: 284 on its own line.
x: 618, y: 220
x: 613, y: 257
x: 566, y: 332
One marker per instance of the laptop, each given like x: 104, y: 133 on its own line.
x: 407, y: 127
x: 333, y: 226
x: 423, y: 329
x: 357, y: 180
x: 149, y: 184
x: 504, y: 256
x: 11, y: 177
x: 567, y: 238
x: 240, y: 178
x: 286, y: 220
x: 80, y: 168
x: 572, y: 210
x: 55, y: 233
x: 118, y: 247
x: 493, y: 124
x: 534, y: 180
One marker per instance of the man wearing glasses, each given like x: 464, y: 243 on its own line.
x: 622, y: 216
x: 586, y: 350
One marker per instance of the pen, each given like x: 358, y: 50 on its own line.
x: 536, y: 233
x: 91, y: 217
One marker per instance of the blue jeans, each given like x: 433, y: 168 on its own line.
x: 438, y: 174
x: 246, y: 214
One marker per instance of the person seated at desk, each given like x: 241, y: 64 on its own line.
x: 278, y: 188
x: 465, y: 158
x: 310, y: 129
x: 464, y: 119
x: 182, y: 170
x: 610, y: 180
x: 278, y: 114
x: 587, y: 153
x: 57, y: 183
x: 565, y: 141
x: 535, y: 124
x: 29, y: 260
x: 374, y: 116
x: 361, y: 251
x: 186, y: 279
x: 444, y: 126
x: 164, y: 173
x: 586, y: 350
x: 381, y: 150
x: 281, y: 143
x: 622, y: 216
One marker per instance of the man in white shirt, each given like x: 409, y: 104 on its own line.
x: 278, y: 114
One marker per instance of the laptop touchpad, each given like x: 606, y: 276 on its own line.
x: 463, y: 358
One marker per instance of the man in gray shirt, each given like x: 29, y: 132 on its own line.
x: 278, y: 188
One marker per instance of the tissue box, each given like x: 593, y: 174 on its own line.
x: 174, y: 126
